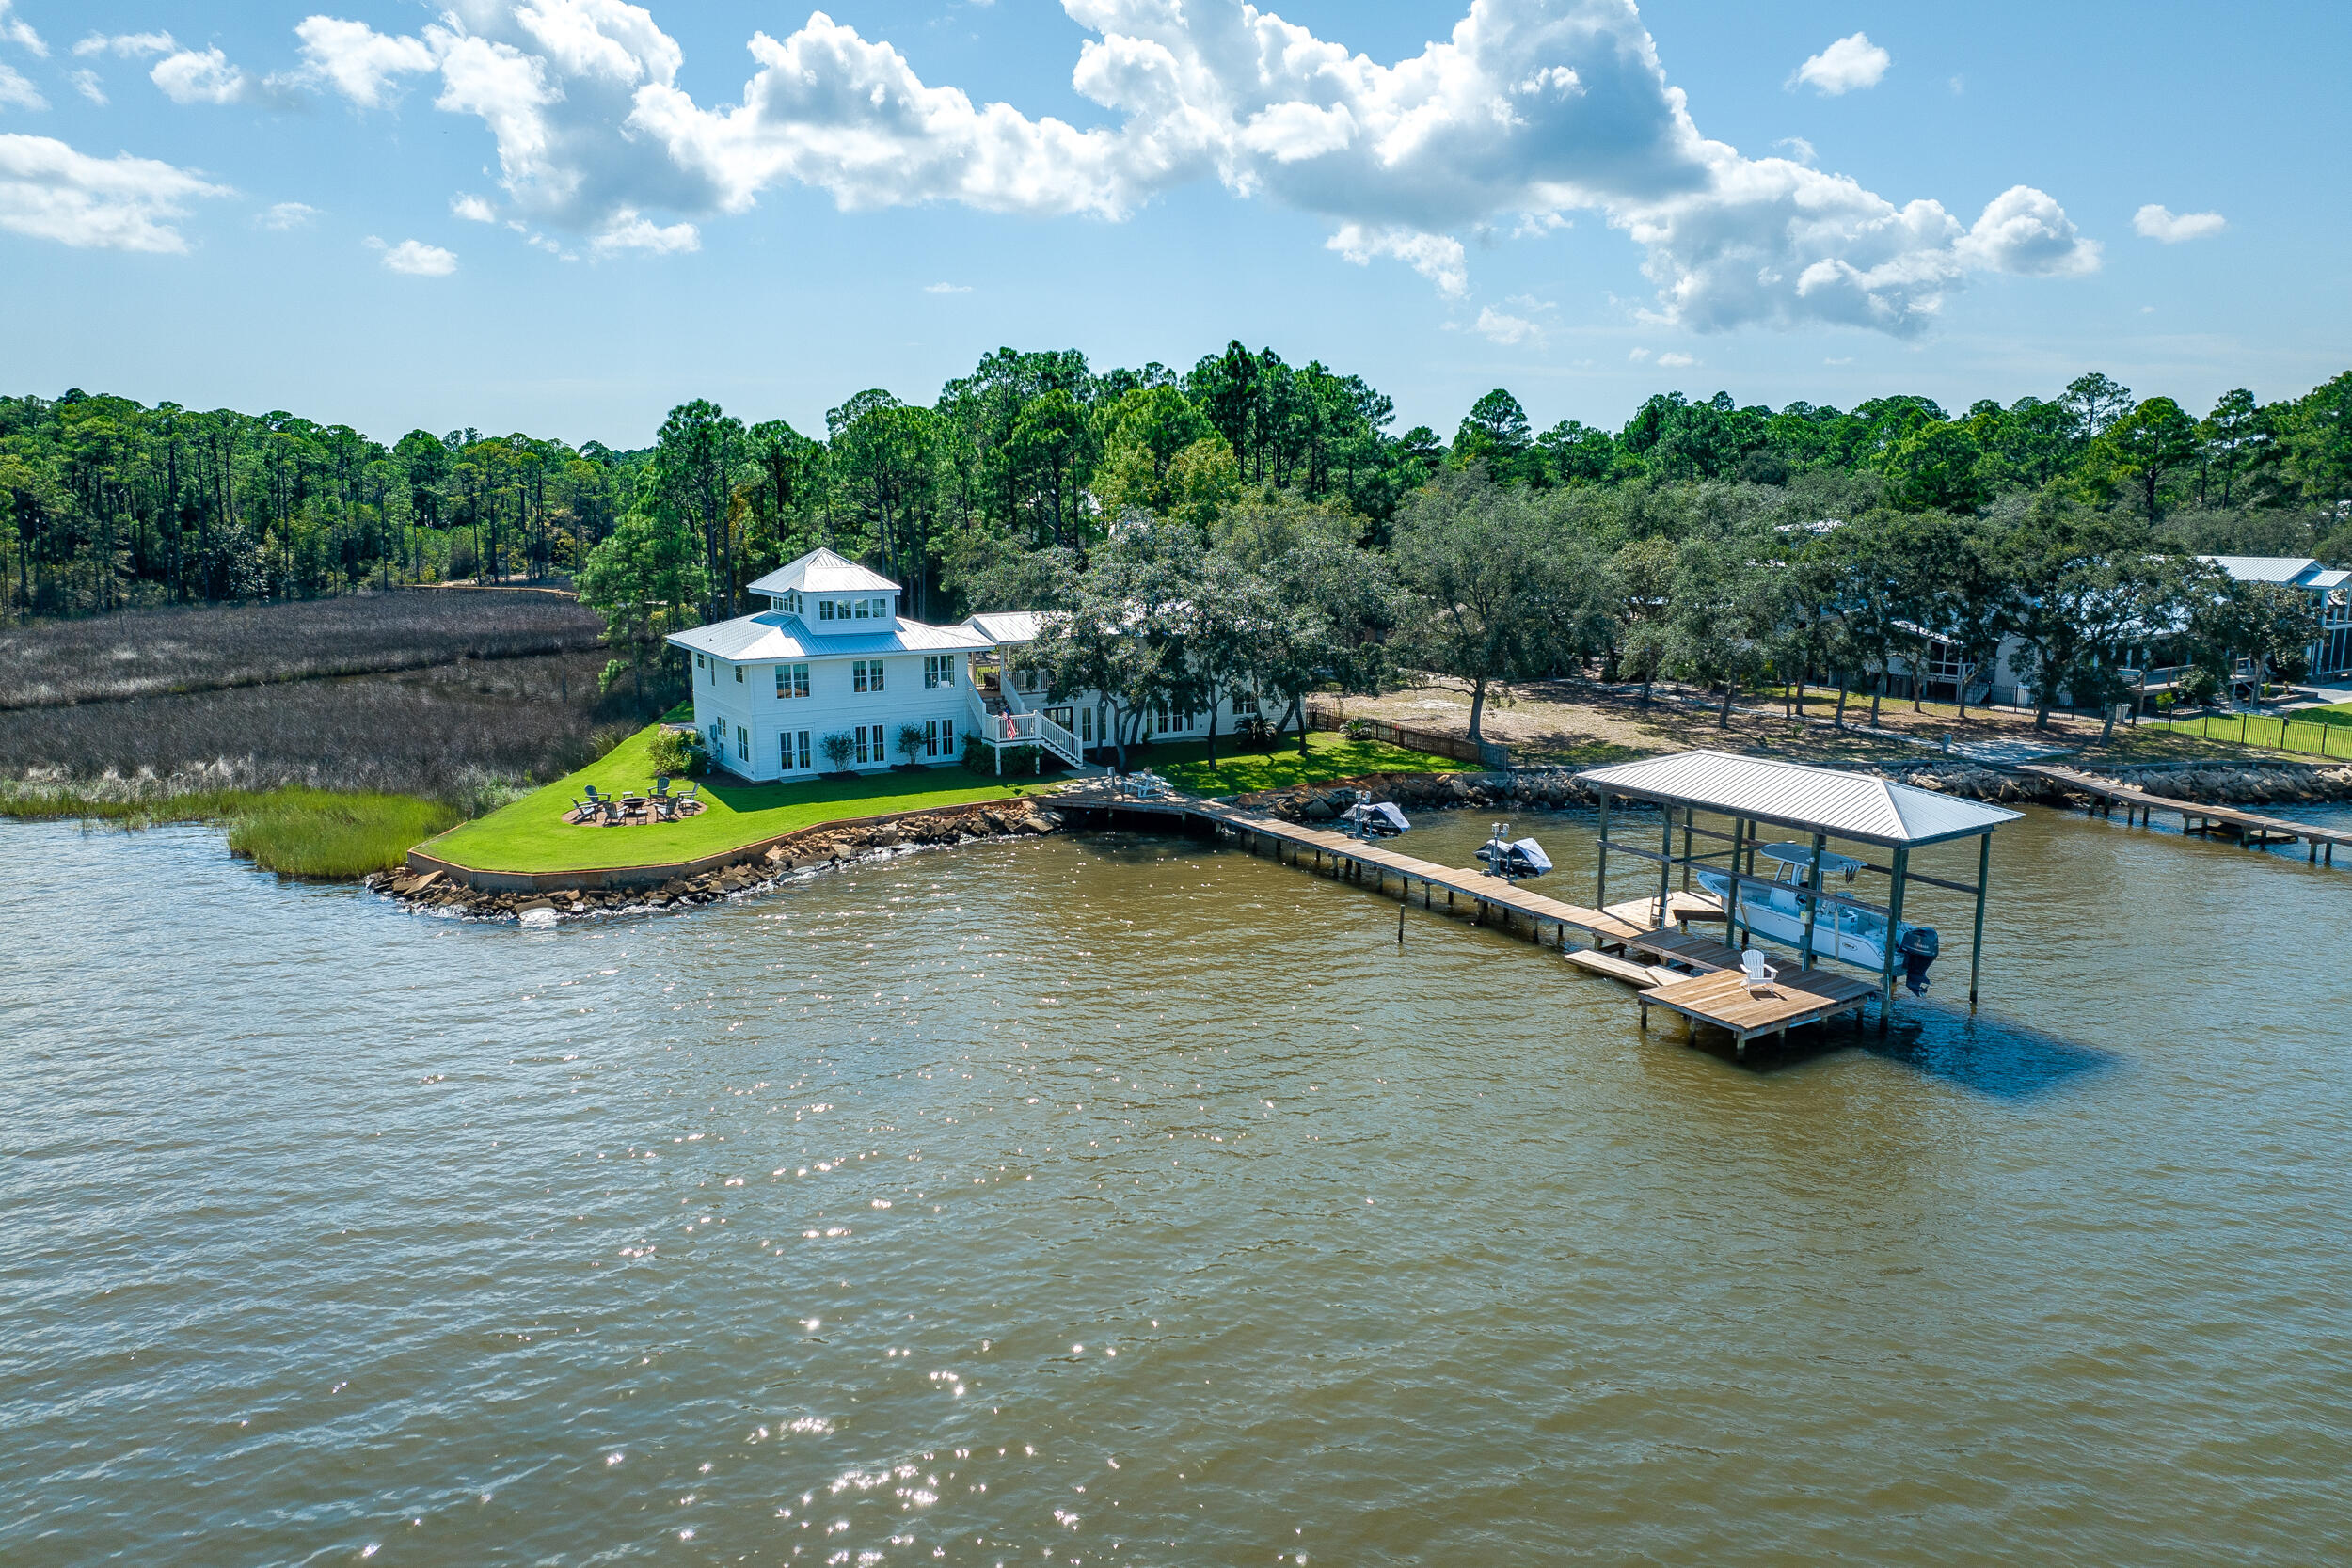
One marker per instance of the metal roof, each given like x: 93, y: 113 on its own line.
x: 1007, y: 625
x: 776, y: 635
x: 820, y: 571
x: 1791, y: 795
x: 2290, y: 570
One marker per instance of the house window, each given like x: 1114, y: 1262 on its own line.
x: 1061, y: 716
x: 738, y: 675
x: 1166, y: 723
x: 742, y: 743
x: 866, y: 674
x: 939, y: 738
x: 795, y: 744
x: 864, y: 608
x: 791, y: 680
x: 938, y: 670
x: 1086, y: 725
x: 859, y: 730
x: 882, y: 610
x: 1245, y: 702
x: 824, y: 609
x: 881, y: 752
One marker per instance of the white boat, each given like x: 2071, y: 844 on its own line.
x: 1857, y: 936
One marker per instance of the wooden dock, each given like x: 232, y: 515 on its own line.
x: 2251, y: 828
x: 1674, y: 963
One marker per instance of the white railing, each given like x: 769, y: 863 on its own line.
x: 1014, y: 727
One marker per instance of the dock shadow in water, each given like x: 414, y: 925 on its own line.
x: 1995, y: 1057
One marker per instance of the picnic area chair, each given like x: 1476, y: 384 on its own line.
x: 612, y: 809
x: 660, y: 786
x: 583, y: 810
x: 1761, y: 974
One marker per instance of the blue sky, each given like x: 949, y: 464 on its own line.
x: 566, y: 215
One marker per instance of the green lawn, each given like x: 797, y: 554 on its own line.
x: 2319, y: 731
x: 1330, y: 755
x: 530, y: 836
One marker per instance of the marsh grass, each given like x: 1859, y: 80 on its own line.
x: 323, y: 833
x: 149, y: 653
x: 447, y: 732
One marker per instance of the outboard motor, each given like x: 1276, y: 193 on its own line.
x: 1513, y: 860
x: 1918, y: 946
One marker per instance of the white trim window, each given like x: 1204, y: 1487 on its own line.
x: 824, y: 609
x: 1245, y: 703
x: 939, y: 738
x: 792, y: 681
x: 938, y: 670
x: 866, y: 674
x: 738, y: 675
x: 870, y: 745
x: 795, y: 742
x: 742, y: 744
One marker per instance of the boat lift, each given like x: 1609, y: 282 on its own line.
x: 1823, y: 803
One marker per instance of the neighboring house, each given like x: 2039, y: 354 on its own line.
x: 2330, y: 592
x: 1086, y: 716
x: 830, y: 655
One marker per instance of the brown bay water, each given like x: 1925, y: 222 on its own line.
x: 1127, y: 1200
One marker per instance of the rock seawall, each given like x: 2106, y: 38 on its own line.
x: 1555, y: 788
x: 819, y: 848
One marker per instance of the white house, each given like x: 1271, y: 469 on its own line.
x: 1086, y: 716
x: 830, y: 655
x: 2330, y: 593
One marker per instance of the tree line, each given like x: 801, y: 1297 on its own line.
x: 1008, y: 487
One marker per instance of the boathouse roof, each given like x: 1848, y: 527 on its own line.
x: 1793, y: 795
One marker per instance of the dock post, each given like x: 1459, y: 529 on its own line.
x: 1600, y: 873
x: 1813, y: 904
x: 1976, y: 942
x: 1666, y: 862
x: 1687, y: 815
x: 1894, y: 925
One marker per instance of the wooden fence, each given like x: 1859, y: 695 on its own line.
x: 1323, y: 714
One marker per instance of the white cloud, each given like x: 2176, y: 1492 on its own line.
x: 1799, y: 149
x: 946, y: 288
x: 1676, y: 361
x: 357, y: 60
x: 188, y: 77
x: 285, y: 216
x: 1851, y: 62
x: 15, y: 89
x: 1537, y: 108
x: 2155, y: 222
x: 472, y: 209
x: 1436, y: 257
x: 15, y: 29
x: 1637, y: 356
x: 51, y: 192
x: 1510, y: 331
x: 86, y: 83
x: 631, y: 231
x: 416, y: 258
x: 128, y: 46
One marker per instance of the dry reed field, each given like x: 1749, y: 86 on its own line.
x: 148, y: 653
x: 449, y: 732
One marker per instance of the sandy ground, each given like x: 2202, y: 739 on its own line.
x: 1581, y: 724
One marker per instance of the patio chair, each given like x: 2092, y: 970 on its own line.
x: 1761, y: 974
x: 660, y: 785
x: 612, y: 809
x: 694, y: 791
x: 581, y: 809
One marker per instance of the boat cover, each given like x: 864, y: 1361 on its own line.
x: 1532, y: 853
x: 1388, y: 813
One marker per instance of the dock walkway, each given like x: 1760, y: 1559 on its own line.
x: 2251, y: 828
x: 1677, y: 960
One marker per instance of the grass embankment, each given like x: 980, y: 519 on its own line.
x: 530, y: 836
x: 295, y: 832
x: 1329, y: 756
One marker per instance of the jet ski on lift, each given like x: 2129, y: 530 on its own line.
x: 1857, y: 936
x: 1512, y: 859
x: 1370, y: 819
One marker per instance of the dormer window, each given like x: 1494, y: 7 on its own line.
x: 824, y: 609
x: 864, y: 608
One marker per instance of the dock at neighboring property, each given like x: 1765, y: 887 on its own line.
x: 2253, y: 828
